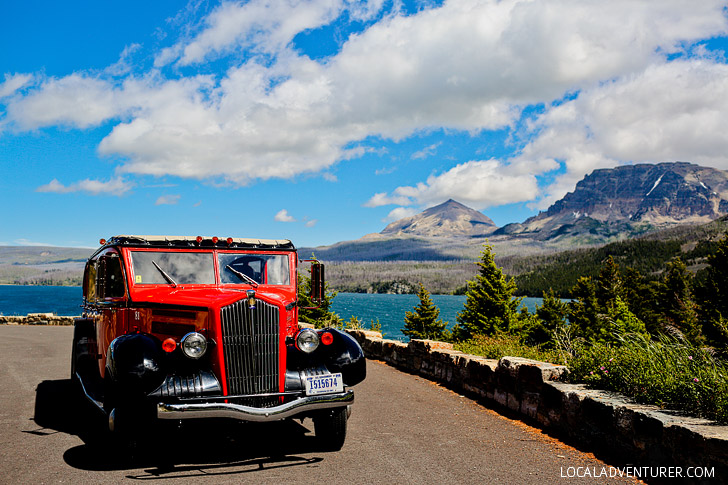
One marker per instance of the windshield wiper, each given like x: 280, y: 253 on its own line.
x: 242, y: 276
x: 164, y: 273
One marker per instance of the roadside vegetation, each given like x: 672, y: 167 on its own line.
x: 658, y: 339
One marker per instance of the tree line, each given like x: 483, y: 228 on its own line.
x: 616, y: 301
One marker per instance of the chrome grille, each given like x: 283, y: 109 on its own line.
x: 250, y: 344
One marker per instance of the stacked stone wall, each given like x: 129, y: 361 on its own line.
x: 599, y: 421
x: 36, y: 319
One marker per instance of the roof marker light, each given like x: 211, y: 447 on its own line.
x: 229, y: 241
x: 215, y: 240
x: 102, y: 241
x: 198, y: 239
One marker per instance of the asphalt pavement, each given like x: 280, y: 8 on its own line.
x: 403, y: 429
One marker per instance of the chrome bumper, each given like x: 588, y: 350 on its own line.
x: 247, y: 413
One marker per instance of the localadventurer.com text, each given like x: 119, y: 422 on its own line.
x: 637, y: 472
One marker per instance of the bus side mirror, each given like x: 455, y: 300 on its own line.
x: 318, y: 283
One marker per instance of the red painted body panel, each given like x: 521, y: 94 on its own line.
x: 161, y: 309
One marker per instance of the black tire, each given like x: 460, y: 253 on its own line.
x: 330, y: 429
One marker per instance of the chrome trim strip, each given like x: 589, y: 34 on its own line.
x: 247, y: 413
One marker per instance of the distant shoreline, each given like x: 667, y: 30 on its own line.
x: 49, y: 286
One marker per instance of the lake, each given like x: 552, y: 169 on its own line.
x: 389, y: 309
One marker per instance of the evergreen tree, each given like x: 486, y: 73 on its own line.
x: 319, y: 315
x: 643, y: 299
x: 619, y: 320
x: 677, y: 301
x: 583, y: 310
x: 712, y: 296
x: 550, y: 316
x: 489, y: 307
x: 598, y: 313
x: 422, y: 323
x: 609, y: 284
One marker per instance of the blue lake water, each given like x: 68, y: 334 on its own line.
x: 21, y: 300
x: 389, y: 309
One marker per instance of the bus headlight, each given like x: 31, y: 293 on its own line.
x: 307, y: 340
x: 194, y: 345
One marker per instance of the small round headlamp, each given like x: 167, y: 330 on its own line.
x: 307, y: 340
x: 194, y: 345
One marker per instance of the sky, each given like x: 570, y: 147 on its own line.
x: 323, y: 120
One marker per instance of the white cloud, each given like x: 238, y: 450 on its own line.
x: 14, y: 82
x: 477, y: 184
x: 283, y: 216
x: 381, y: 198
x: 123, y: 65
x: 261, y: 26
x: 669, y: 112
x: 399, y: 213
x: 428, y: 151
x: 311, y: 223
x: 75, y: 100
x: 27, y: 242
x: 168, y: 199
x: 467, y: 65
x: 116, y: 186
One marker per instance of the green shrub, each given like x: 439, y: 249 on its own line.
x: 668, y: 372
x: 502, y: 345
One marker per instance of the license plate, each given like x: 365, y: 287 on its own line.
x: 324, y: 384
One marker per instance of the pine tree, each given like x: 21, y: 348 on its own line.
x: 609, y: 284
x: 550, y: 316
x: 713, y: 297
x: 489, y: 307
x: 677, y: 301
x: 422, y: 323
x: 598, y: 313
x: 583, y: 310
x: 643, y: 299
x: 318, y: 315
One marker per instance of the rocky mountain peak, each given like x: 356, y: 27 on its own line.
x: 451, y: 218
x: 624, y: 197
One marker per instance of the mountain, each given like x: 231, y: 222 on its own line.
x: 448, y: 219
x: 630, y: 200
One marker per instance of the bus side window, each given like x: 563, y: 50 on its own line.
x: 109, y: 277
x: 113, y: 276
x: 89, y: 282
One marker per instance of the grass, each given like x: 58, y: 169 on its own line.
x: 666, y: 372
x: 506, y: 345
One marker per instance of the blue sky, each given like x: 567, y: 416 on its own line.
x: 323, y: 120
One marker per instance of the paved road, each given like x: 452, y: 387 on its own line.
x: 403, y: 429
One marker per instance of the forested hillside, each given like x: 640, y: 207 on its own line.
x: 648, y: 255
x: 399, y: 276
x: 42, y: 265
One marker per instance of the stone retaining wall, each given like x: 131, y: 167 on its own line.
x: 598, y: 421
x: 36, y: 319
